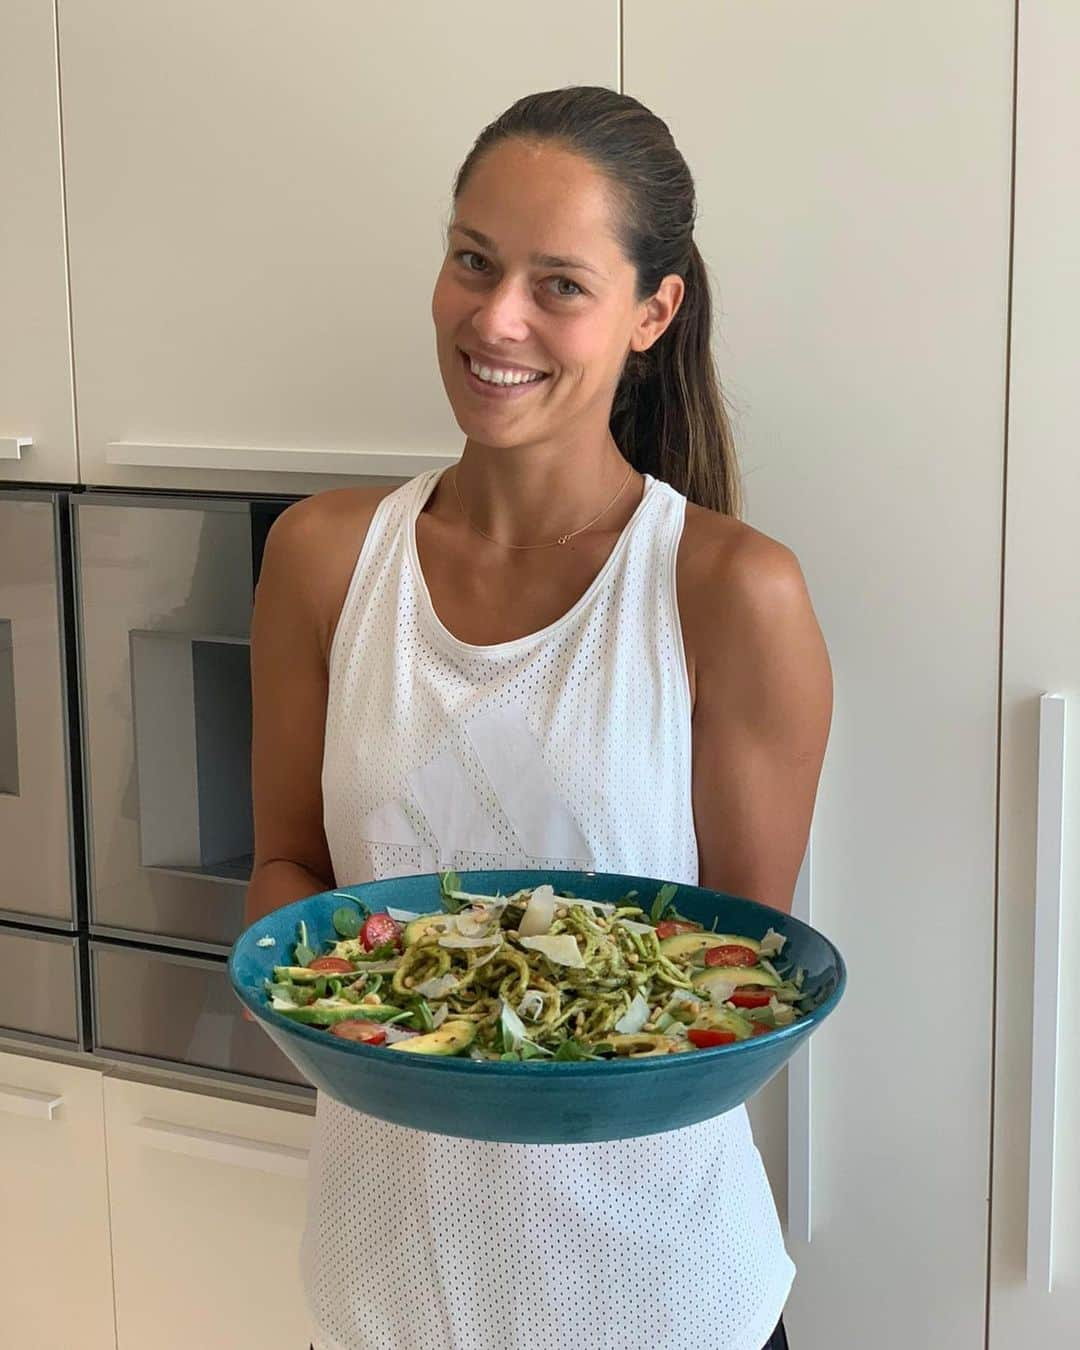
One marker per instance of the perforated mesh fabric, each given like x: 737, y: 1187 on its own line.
x: 566, y: 748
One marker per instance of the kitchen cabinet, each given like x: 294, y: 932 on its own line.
x: 853, y: 167
x: 37, y: 416
x: 36, y: 826
x: 207, y: 1199
x: 54, y: 1239
x: 1035, y: 1253
x: 39, y: 993
x: 256, y: 196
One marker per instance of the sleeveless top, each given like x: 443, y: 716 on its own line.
x: 568, y: 748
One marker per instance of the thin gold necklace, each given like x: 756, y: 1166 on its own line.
x: 562, y: 539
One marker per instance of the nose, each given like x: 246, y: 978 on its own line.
x: 502, y: 315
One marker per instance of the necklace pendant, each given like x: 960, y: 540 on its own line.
x: 563, y: 539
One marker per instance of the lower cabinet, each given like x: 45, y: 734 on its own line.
x: 207, y: 1202
x: 138, y: 1217
x: 55, y: 1261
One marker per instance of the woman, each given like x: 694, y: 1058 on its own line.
x: 566, y: 651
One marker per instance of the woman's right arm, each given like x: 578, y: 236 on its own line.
x: 288, y: 691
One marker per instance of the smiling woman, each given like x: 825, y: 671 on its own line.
x: 566, y: 653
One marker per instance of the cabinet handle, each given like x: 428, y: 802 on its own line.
x: 234, y: 1149
x: 1045, y: 1008
x: 26, y: 1102
x: 278, y: 459
x: 798, y: 1087
x: 12, y: 447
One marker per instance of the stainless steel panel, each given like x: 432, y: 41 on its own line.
x: 35, y: 810
x: 39, y: 986
x: 170, y: 580
x: 180, y: 1009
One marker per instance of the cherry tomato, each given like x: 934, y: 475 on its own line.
x: 704, y: 1037
x: 332, y: 965
x: 732, y: 955
x: 356, y: 1029
x: 760, y: 1029
x: 750, y: 996
x: 378, y: 930
x: 669, y: 927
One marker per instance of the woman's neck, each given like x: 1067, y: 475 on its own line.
x: 533, y: 494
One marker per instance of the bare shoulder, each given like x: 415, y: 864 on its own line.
x: 312, y: 549
x: 739, y: 590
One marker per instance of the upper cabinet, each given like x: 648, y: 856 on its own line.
x: 37, y: 428
x: 257, y: 195
x: 853, y: 166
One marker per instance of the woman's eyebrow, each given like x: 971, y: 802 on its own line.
x: 538, y: 259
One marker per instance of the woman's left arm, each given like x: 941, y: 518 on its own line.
x: 762, y: 688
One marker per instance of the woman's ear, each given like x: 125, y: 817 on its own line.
x: 657, y: 313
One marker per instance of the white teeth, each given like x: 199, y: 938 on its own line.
x: 498, y: 376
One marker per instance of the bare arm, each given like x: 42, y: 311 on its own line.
x: 763, y: 707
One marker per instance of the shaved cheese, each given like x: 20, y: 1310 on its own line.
x: 281, y: 1003
x: 782, y: 1012
x: 267, y: 941
x: 457, y: 942
x: 532, y: 1005
x: 720, y: 991
x: 635, y: 1016
x: 513, y: 1029
x: 562, y: 949
x: 438, y: 1017
x: 394, y: 1034
x: 402, y: 915
x: 438, y: 987
x: 636, y: 927
x: 772, y: 944
x: 539, y: 912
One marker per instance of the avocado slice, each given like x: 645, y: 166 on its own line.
x: 725, y: 1019
x: 683, y: 945
x: 326, y: 1017
x: 735, y: 975
x: 297, y: 975
x: 426, y: 923
x: 450, y: 1039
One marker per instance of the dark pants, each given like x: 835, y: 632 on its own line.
x: 777, y: 1341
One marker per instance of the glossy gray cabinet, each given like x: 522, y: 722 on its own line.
x: 165, y: 597
x: 39, y: 988
x: 167, y: 1008
x: 36, y: 874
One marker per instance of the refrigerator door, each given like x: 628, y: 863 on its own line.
x: 39, y: 990
x: 35, y: 796
x: 165, y: 588
x: 161, y: 1007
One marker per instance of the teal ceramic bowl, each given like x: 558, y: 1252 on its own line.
x: 535, y: 1103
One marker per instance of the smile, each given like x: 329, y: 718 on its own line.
x: 503, y: 380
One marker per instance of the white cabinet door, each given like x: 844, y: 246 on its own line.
x: 208, y: 1202
x: 55, y: 1266
x: 37, y: 428
x: 257, y: 195
x: 1035, y: 1255
x: 853, y: 172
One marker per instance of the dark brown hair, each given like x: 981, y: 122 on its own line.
x: 668, y: 415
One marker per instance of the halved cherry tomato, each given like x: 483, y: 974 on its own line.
x: 760, y: 1029
x: 704, y: 1037
x: 378, y: 930
x: 750, y: 996
x: 332, y: 965
x: 669, y: 927
x: 356, y: 1029
x: 732, y: 955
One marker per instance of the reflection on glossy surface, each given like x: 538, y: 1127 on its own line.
x: 38, y: 983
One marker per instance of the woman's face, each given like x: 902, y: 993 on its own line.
x: 535, y: 284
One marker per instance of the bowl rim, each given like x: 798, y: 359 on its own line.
x: 458, y: 1064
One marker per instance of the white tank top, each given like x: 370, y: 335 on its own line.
x: 568, y: 748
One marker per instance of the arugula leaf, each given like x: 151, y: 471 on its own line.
x: 347, y: 921
x: 572, y: 1051
x: 386, y: 952
x: 662, y: 903
x: 420, y: 1018
x: 450, y: 881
